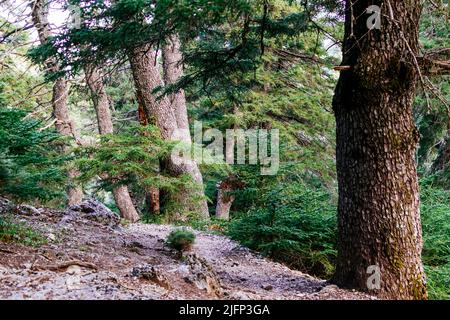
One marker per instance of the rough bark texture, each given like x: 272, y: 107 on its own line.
x: 152, y: 202
x: 147, y: 77
x: 100, y: 99
x: 64, y: 125
x: 125, y: 204
x: 152, y: 198
x: 378, y: 212
x: 173, y: 71
x: 105, y: 126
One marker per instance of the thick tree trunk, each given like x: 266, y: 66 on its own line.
x: 64, y: 125
x: 105, y: 126
x: 378, y: 212
x: 147, y: 77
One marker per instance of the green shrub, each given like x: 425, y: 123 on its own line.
x: 181, y: 239
x: 297, y: 227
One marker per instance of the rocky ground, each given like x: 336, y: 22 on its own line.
x: 90, y: 255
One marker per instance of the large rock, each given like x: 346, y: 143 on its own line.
x: 96, y: 211
x: 200, y: 273
x: 152, y: 274
x: 27, y: 210
x: 5, y: 205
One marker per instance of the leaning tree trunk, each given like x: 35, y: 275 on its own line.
x: 105, y: 126
x: 378, y: 211
x: 147, y: 78
x: 64, y: 125
x: 173, y: 71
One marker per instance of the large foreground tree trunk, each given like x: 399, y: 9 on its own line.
x: 147, y: 78
x: 378, y: 213
x: 105, y: 126
x: 64, y: 124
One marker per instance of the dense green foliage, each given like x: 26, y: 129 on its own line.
x: 126, y: 158
x: 30, y: 168
x: 31, y: 165
x: 129, y: 158
x: 436, y: 235
x: 297, y: 225
x: 432, y: 105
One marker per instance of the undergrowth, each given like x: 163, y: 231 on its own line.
x: 18, y: 232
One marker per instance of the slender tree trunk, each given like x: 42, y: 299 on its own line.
x: 147, y: 77
x: 173, y: 71
x: 224, y: 200
x: 64, y: 125
x: 378, y: 211
x: 105, y: 126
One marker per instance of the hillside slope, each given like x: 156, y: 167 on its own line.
x: 90, y: 256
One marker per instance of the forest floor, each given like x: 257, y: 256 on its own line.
x: 86, y: 258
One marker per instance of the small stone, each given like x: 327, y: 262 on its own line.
x: 73, y: 281
x: 152, y: 274
x: 267, y: 287
x: 74, y: 269
x: 239, y: 295
x: 51, y: 237
x: 26, y: 209
x: 27, y: 265
x: 329, y: 289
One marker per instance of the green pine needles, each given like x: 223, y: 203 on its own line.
x: 30, y: 166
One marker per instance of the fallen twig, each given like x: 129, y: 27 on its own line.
x: 7, y: 251
x: 65, y: 265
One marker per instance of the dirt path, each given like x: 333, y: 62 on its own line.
x: 85, y: 259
